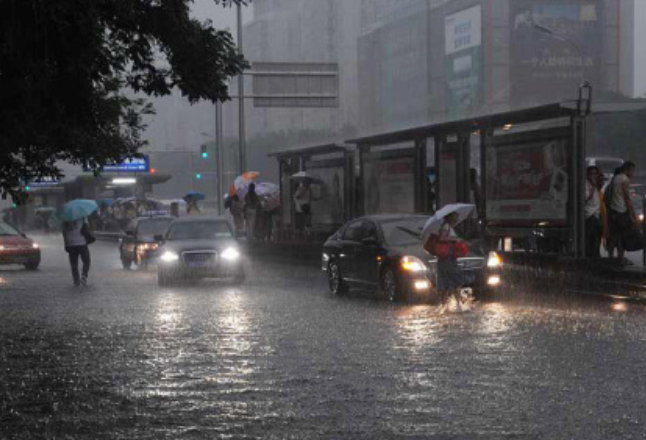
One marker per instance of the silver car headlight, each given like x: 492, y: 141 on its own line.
x: 169, y: 257
x: 230, y: 254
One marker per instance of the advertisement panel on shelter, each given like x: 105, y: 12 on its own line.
x: 389, y: 186
x: 527, y: 183
x: 463, y: 36
x: 327, y: 196
x: 555, y: 45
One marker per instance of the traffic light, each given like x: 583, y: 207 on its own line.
x: 204, y: 152
x: 198, y: 176
x: 27, y: 188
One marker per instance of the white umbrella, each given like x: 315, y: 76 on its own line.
x: 434, y: 223
x: 270, y: 192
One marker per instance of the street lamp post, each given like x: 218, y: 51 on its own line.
x: 242, y: 152
x: 585, y: 93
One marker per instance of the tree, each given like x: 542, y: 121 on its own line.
x: 66, y: 67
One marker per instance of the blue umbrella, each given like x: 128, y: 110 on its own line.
x: 78, y: 209
x: 194, y: 195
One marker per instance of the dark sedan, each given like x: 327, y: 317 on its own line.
x: 139, y: 245
x: 200, y: 247
x: 385, y: 252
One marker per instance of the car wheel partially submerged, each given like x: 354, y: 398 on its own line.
x: 390, y: 285
x: 335, y: 279
x: 32, y: 266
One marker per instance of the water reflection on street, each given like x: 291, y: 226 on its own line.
x: 279, y: 357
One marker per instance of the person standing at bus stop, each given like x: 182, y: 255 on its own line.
x: 621, y: 211
x: 593, y: 229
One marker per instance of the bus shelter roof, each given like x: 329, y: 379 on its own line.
x: 311, y: 150
x: 495, y: 120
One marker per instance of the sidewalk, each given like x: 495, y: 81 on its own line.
x: 602, y: 278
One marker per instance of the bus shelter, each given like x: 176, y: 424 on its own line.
x: 528, y: 166
x: 330, y: 175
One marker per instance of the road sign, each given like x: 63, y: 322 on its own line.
x: 295, y: 85
x: 134, y: 165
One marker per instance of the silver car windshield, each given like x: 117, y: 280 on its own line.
x: 200, y: 230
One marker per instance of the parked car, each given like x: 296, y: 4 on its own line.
x: 200, y: 247
x: 17, y: 248
x: 385, y: 253
x: 139, y: 245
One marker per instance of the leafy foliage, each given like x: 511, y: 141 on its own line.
x: 66, y: 67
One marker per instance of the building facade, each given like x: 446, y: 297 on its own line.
x: 426, y: 61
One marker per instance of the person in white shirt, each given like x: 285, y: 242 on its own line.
x: 76, y: 245
x: 593, y: 229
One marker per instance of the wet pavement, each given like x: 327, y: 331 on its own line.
x: 281, y: 358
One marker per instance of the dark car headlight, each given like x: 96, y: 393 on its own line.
x: 412, y: 264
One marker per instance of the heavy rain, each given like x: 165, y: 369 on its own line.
x: 322, y: 219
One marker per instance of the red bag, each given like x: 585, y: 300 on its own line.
x: 460, y: 249
x: 435, y: 247
x: 444, y: 250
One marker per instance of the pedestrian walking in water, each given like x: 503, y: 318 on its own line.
x: 441, y: 240
x: 251, y: 207
x: 76, y: 237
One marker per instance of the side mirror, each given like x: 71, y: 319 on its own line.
x: 130, y: 233
x: 158, y: 238
x: 370, y: 241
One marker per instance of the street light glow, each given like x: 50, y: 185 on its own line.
x: 124, y: 181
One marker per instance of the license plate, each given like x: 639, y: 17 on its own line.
x: 198, y: 264
x: 469, y: 277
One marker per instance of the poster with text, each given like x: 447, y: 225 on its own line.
x: 389, y: 186
x: 527, y: 183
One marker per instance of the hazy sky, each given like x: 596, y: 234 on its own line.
x: 226, y: 17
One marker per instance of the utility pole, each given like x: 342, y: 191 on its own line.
x: 219, y: 154
x: 242, y: 162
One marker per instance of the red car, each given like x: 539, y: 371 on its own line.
x: 16, y: 248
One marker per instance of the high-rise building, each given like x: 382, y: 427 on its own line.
x: 426, y: 61
x: 302, y: 31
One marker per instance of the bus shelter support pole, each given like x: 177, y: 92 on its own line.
x: 421, y: 185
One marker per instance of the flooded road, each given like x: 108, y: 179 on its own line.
x: 280, y: 357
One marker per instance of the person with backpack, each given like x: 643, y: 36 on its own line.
x: 77, y: 237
